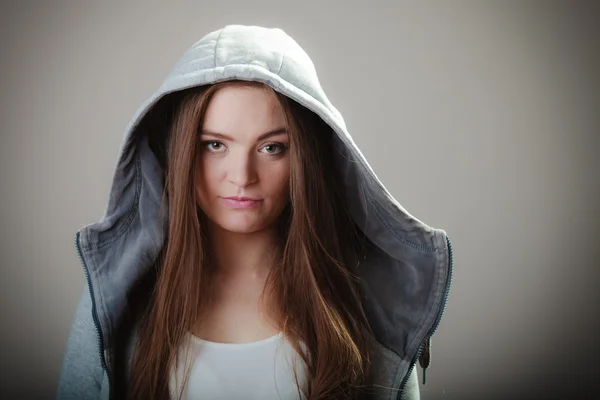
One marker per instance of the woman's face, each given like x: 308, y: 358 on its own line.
x: 243, y: 153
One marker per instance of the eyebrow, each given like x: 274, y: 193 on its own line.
x: 265, y: 135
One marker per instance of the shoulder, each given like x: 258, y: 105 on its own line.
x: 82, y: 375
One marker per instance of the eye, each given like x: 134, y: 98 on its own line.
x: 275, y: 148
x: 214, y: 146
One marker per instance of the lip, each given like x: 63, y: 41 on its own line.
x: 241, y: 198
x: 241, y: 202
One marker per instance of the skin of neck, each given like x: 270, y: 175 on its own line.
x: 241, y: 263
x: 242, y: 257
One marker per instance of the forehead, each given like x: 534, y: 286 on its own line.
x: 243, y: 110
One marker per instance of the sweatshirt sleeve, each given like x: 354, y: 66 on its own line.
x: 82, y: 373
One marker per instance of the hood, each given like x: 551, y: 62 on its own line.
x: 407, y: 273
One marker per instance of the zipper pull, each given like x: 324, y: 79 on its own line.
x: 425, y: 357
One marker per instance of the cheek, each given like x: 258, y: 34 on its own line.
x: 279, y: 183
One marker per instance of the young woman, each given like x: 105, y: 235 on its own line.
x: 248, y: 250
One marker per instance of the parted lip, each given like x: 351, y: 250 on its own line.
x: 241, y: 198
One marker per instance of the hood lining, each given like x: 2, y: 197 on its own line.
x: 401, y: 237
x: 124, y: 227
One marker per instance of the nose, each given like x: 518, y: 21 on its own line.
x: 241, y: 171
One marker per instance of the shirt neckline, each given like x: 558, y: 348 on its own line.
x: 236, y: 345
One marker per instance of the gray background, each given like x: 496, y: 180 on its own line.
x: 496, y: 102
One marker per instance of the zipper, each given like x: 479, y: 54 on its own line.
x: 425, y: 347
x: 94, y: 313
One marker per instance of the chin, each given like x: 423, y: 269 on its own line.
x: 241, y: 222
x: 235, y: 228
x: 240, y: 226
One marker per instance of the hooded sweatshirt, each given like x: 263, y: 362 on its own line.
x: 407, y: 273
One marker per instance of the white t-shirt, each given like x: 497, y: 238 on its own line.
x: 226, y: 371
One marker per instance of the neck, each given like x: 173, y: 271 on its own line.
x: 242, y: 256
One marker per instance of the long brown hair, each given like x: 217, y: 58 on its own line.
x: 313, y: 283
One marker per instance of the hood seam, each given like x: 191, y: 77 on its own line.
x: 216, y: 47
